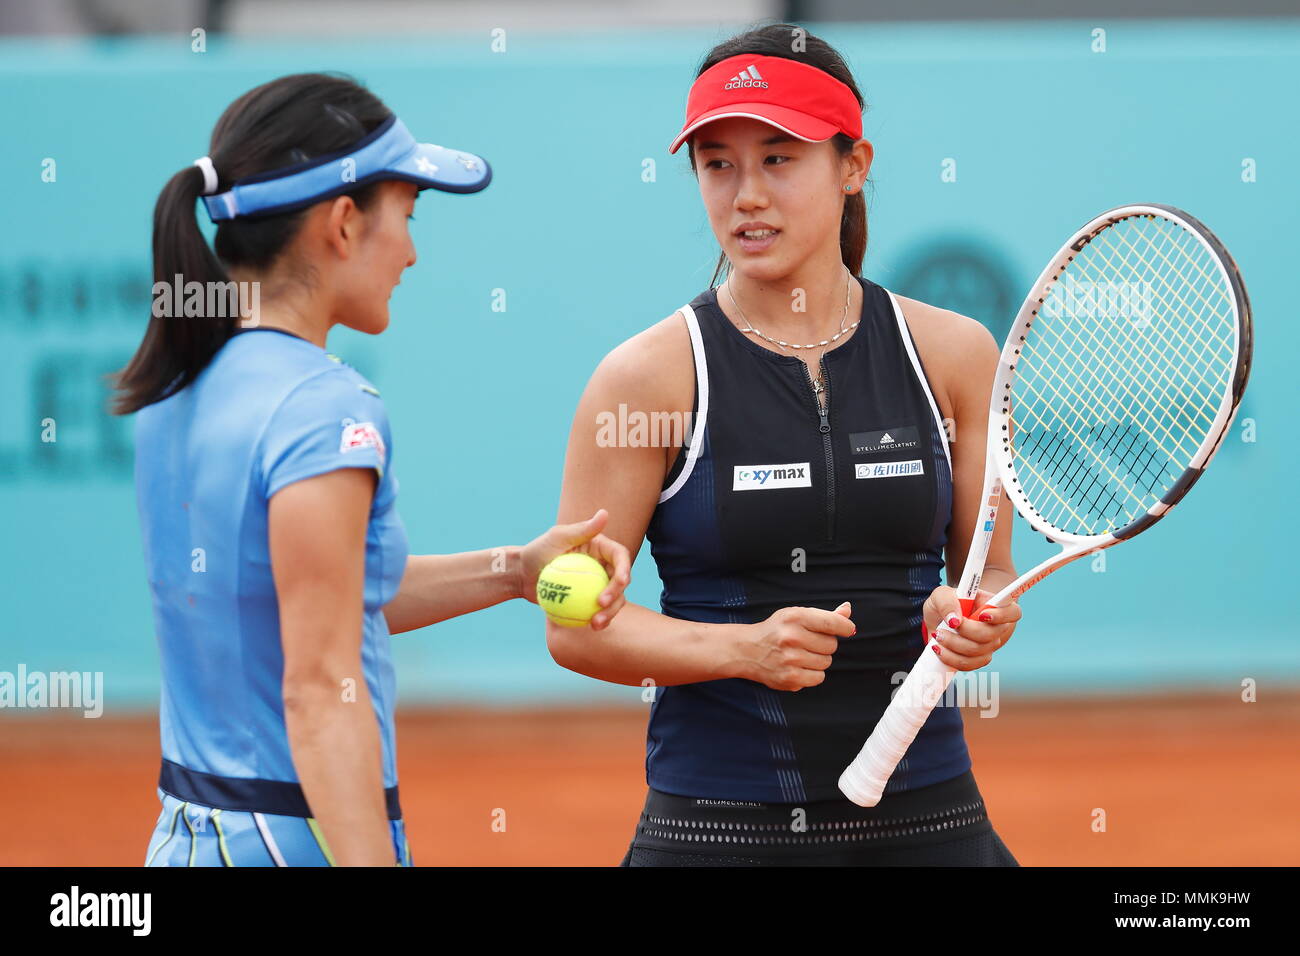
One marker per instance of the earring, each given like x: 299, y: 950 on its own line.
x: 848, y: 189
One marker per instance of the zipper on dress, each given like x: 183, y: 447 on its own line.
x: 824, y: 426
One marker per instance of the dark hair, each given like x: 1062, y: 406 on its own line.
x: 286, y: 121
x: 778, y: 39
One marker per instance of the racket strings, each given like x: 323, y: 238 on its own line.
x: 1125, y: 347
x: 1206, y: 346
x: 1124, y: 465
x: 1149, y: 399
x: 1201, y: 341
x: 1116, y: 390
x: 1059, y: 448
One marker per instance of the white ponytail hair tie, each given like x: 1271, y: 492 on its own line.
x: 209, y: 174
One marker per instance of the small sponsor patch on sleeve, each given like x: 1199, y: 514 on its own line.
x: 362, y: 435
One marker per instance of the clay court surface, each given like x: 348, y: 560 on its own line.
x: 1184, y: 780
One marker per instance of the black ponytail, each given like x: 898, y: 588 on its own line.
x: 175, y: 350
x: 778, y: 39
x: 287, y: 121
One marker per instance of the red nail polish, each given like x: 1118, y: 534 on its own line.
x: 986, y: 618
x: 954, y: 621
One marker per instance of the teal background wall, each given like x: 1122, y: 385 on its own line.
x: 1045, y: 132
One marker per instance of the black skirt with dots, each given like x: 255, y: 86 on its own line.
x: 945, y: 824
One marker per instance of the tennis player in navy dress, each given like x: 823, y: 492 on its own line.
x: 832, y: 467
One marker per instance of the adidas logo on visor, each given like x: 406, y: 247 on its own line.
x: 747, y: 78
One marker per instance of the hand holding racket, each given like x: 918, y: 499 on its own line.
x: 977, y: 639
x: 1116, y: 386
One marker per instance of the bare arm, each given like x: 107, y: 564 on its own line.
x: 970, y: 385
x: 319, y: 570
x: 961, y: 358
x: 436, y: 587
x: 640, y: 644
x: 653, y: 372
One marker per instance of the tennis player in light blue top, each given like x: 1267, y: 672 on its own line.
x: 277, y: 563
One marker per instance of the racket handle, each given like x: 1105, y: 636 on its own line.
x: 863, y: 781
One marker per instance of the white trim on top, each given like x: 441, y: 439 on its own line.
x: 906, y: 336
x: 702, y: 412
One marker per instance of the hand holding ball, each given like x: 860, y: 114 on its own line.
x: 568, y: 587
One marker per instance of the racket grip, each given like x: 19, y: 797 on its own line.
x: 863, y: 781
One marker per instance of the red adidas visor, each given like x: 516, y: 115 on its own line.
x: 802, y: 100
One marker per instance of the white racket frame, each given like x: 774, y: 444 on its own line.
x: 864, y: 780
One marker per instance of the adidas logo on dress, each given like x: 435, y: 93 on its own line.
x: 886, y: 439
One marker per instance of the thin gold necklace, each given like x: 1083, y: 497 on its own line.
x: 818, y: 385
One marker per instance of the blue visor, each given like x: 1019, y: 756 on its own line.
x: 388, y: 152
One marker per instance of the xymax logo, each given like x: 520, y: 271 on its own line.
x: 754, y: 477
x: 762, y: 476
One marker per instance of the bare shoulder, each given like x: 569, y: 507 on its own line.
x: 646, y: 379
x: 951, y: 346
x: 943, y: 327
x: 654, y: 369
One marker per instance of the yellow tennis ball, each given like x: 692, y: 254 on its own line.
x: 568, y: 587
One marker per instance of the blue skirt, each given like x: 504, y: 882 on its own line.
x: 191, y: 835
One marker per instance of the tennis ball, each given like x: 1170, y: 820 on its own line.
x: 568, y: 587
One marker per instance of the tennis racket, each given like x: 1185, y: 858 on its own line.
x: 1116, y: 386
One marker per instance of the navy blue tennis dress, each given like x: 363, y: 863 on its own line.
x: 776, y: 503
